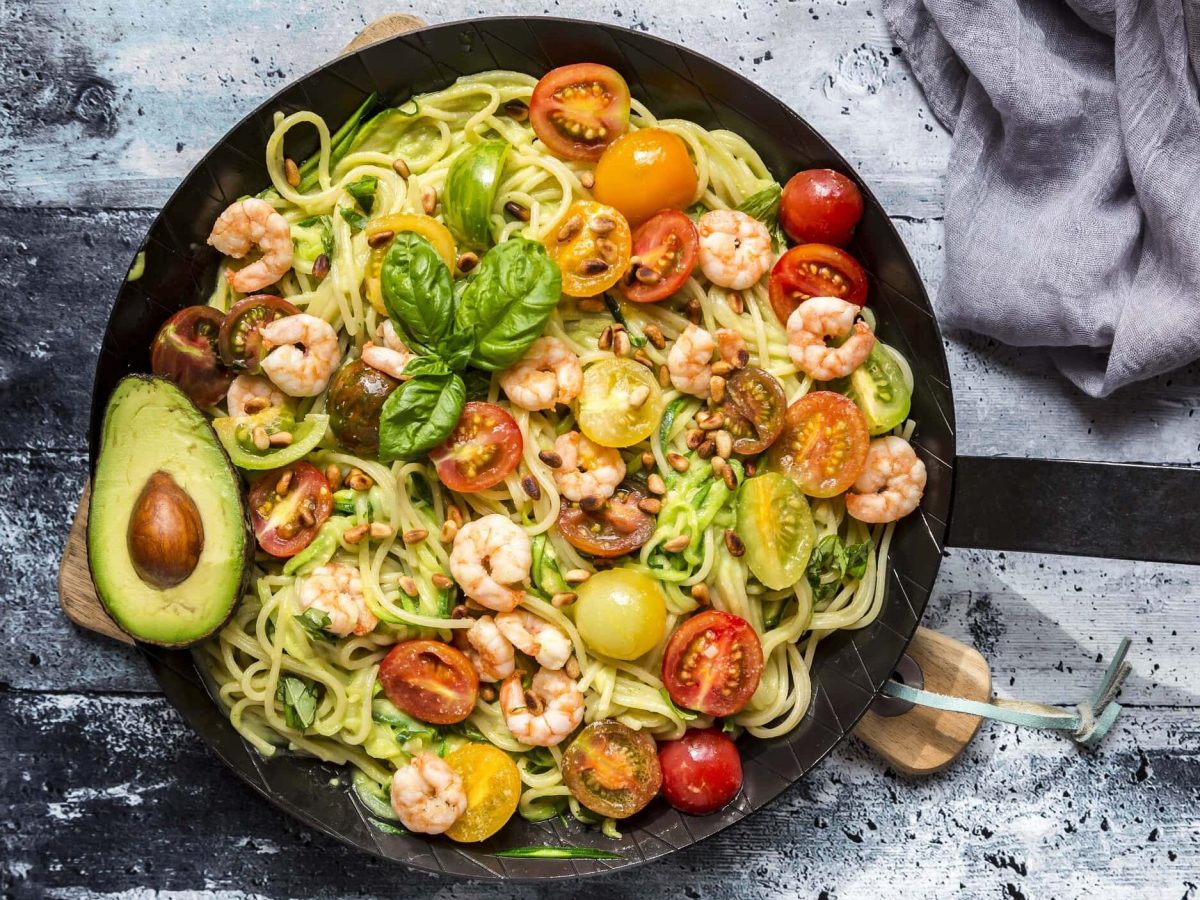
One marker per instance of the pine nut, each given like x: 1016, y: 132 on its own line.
x: 692, y: 310
x: 357, y: 533
x: 517, y: 210
x: 256, y: 405
x: 701, y: 595
x: 695, y: 437
x: 408, y: 584
x: 591, y: 305
x: 448, y: 533
x: 262, y: 440
x: 380, y: 239
x: 664, y: 376
x: 454, y: 514
x: 334, y: 476
x: 429, y: 201
x: 587, y: 180
x: 730, y: 478
x: 711, y: 421
x: 721, y: 368
x: 591, y: 503
x: 321, y: 266
x: 733, y: 543
x: 570, y: 228
x: 380, y: 531
x: 716, y: 388
x: 647, y: 460
x: 621, y: 345
x: 605, y: 341
x: 550, y: 458
x: 291, y: 172
x: 655, y: 485
x: 706, y: 450
x: 655, y: 336
x: 467, y: 262
x: 401, y: 168
x: 415, y: 535
x: 647, y: 275
x: 677, y: 543
x: 565, y: 598
x: 530, y: 486
x: 737, y: 304
x: 517, y: 110
x: 639, y: 355
x: 577, y: 576
x: 307, y: 519
x: 487, y: 693
x: 650, y: 506
x: 638, y: 396
x: 441, y: 582
x: 601, y: 225
x: 724, y: 444
x: 284, y: 482
x: 358, y: 480
x: 572, y: 668
x: 280, y: 439
x: 593, y: 265
x: 678, y: 463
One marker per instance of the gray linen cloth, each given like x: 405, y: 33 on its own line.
x: 1073, y: 187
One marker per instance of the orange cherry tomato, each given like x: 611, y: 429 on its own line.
x: 591, y: 244
x: 645, y: 171
x: 430, y: 681
x: 815, y: 270
x: 492, y: 784
x: 823, y: 447
x: 578, y: 110
x: 712, y: 663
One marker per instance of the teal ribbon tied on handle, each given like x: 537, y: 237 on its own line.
x: 1086, y: 724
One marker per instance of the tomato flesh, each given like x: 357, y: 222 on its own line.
x: 646, y: 171
x: 665, y: 248
x: 753, y: 409
x: 815, y: 270
x: 185, y: 351
x: 430, y: 681
x: 239, y: 340
x: 606, y: 412
x: 823, y: 447
x: 702, y: 771
x: 591, y: 244
x: 492, y: 784
x: 820, y: 206
x: 612, y: 769
x: 617, y: 528
x: 484, y: 447
x: 713, y: 663
x: 578, y: 110
x: 287, y: 523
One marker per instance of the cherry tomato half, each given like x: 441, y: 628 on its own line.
x: 713, y: 663
x: 482, y: 449
x: 185, y: 350
x: 285, y: 523
x: 666, y: 248
x: 824, y: 443
x: 492, y: 784
x: 578, y: 110
x: 702, y: 771
x: 612, y: 769
x: 645, y: 171
x: 753, y: 409
x: 815, y: 270
x: 241, y: 346
x: 430, y: 681
x: 591, y: 244
x: 820, y: 206
x: 607, y: 413
x: 617, y: 528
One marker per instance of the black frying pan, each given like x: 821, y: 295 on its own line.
x: 1138, y: 512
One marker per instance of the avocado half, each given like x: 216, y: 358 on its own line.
x: 169, y: 538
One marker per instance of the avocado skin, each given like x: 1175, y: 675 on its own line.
x: 108, y: 516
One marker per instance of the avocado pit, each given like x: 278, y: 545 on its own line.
x: 165, y: 534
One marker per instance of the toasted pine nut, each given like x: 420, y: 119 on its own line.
x: 358, y: 480
x: 517, y: 210
x: 693, y: 311
x: 601, y: 225
x: 647, y: 460
x: 415, y: 535
x: 429, y: 201
x: 441, y: 582
x: 380, y: 531
x: 280, y: 439
x: 678, y: 463
x: 724, y: 444
x: 380, y: 239
x: 650, y: 505
x: 262, y: 440
x: 577, y: 576
x: 291, y: 172
x: 640, y: 355
x: 695, y: 437
x: 664, y: 376
x: 587, y: 180
x: 565, y: 598
x: 487, y: 693
x: 448, y: 533
x: 711, y: 421
x: 591, y: 503
x: 517, y: 110
x: 334, y: 476
x: 357, y: 533
x: 321, y: 266
x: 701, y: 595
x: 677, y: 543
x: 467, y: 262
x: 716, y: 388
x: 730, y: 478
x: 572, y: 668
x: 655, y: 336
x: 737, y: 304
x: 733, y: 543
x: 408, y: 584
x: 401, y: 168
x: 605, y: 341
x: 570, y: 228
x: 706, y: 450
x: 621, y: 345
x: 284, y: 482
x: 530, y: 486
x: 655, y: 485
x: 454, y: 514
x: 721, y: 368
x: 256, y: 404
x: 550, y: 458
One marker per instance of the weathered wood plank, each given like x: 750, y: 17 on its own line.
x: 108, y: 795
x: 128, y: 96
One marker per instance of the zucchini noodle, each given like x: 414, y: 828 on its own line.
x: 264, y: 644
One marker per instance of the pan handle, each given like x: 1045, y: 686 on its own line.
x: 1115, y: 510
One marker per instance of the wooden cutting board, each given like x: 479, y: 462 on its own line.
x: 917, y: 742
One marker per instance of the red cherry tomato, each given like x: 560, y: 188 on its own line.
x: 285, y: 523
x: 578, y: 110
x: 713, y: 663
x: 823, y: 447
x: 240, y: 344
x: 617, y: 528
x: 702, y: 771
x: 820, y: 206
x: 185, y: 350
x: 666, y: 247
x: 482, y: 449
x: 815, y: 270
x: 430, y: 681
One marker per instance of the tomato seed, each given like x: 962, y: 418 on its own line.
x: 284, y: 482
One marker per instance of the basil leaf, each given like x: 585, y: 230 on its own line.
x: 310, y: 238
x: 507, y: 300
x: 456, y: 348
x: 315, y: 621
x: 832, y: 562
x: 299, y: 698
x: 419, y: 415
x: 684, y: 714
x: 356, y: 219
x: 417, y: 290
x: 470, y: 192
x: 479, y: 384
x: 426, y: 365
x: 363, y: 191
x: 763, y: 205
x: 856, y: 559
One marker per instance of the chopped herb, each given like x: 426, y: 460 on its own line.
x: 404, y: 727
x: 315, y: 622
x: 388, y: 827
x: 363, y: 191
x: 557, y: 853
x: 468, y: 731
x: 356, y: 219
x: 696, y: 210
x: 540, y: 760
x: 833, y: 562
x: 728, y: 727
x: 299, y: 698
x: 684, y: 714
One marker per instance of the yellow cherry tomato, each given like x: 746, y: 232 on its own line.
x: 620, y: 402
x: 426, y: 226
x: 493, y: 787
x: 645, y: 171
x: 591, y: 244
x: 621, y: 613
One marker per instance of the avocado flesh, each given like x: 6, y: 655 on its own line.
x: 151, y: 426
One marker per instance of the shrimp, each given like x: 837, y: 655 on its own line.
x: 818, y: 318
x: 489, y: 649
x: 392, y: 356
x: 546, y: 713
x: 252, y: 393
x: 490, y: 560
x: 735, y: 248
x: 587, y: 470
x: 535, y: 637
x: 253, y: 223
x: 428, y: 795
x: 689, y: 361
x: 305, y: 354
x: 548, y: 374
x: 890, y: 486
x: 336, y: 590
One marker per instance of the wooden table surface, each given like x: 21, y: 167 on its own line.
x: 104, y: 791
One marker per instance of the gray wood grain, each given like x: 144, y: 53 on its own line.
x: 104, y: 792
